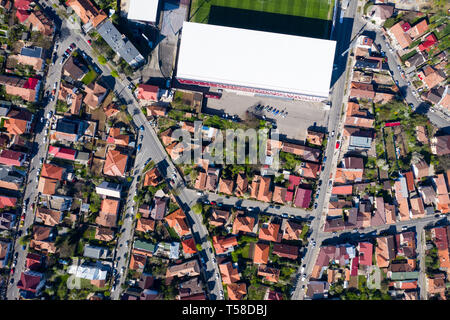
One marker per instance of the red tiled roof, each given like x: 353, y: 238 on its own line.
x: 429, y: 41
x: 365, y: 253
x: 189, y: 246
x: 302, y: 198
x: 7, y: 202
x: 344, y: 190
x: 62, y: 153
x: 22, y: 15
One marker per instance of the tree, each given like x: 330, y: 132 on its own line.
x: 114, y: 74
x: 197, y: 208
x: 101, y: 60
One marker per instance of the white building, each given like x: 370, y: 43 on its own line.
x: 143, y: 11
x: 109, y: 189
x: 255, y: 62
x: 95, y: 272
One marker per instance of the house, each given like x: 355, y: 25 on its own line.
x: 12, y: 158
x: 52, y: 171
x: 291, y: 230
x: 379, y: 217
x: 104, y: 234
x: 236, y: 291
x: 241, y: 185
x: 270, y: 232
x: 317, y: 290
x: 420, y: 169
x: 34, y: 261
x: 96, y: 273
x: 315, y: 138
x: 121, y: 45
x: 29, y: 56
x: 69, y: 129
x: 115, y: 137
x: 191, y: 289
x: 309, y: 170
x: 145, y: 248
x: 27, y: 89
x: 7, y: 221
x: 243, y: 223
x: 269, y: 274
x: 211, y: 179
x: 95, y: 252
x: 189, y: 246
x: 428, y: 194
x: 87, y: 12
x: 365, y: 250
x: 398, y: 32
x: 177, y: 221
x: 430, y: 41
x: 436, y: 286
x: 342, y: 190
x: 224, y: 245
x: 285, y: 251
x: 442, y: 199
x: 418, y: 29
x: 360, y: 140
x: 190, y: 268
x: 42, y: 240
x: 5, y: 248
x: 137, y: 262
x: 155, y: 110
x: 6, y: 202
x: 352, y: 172
x: 166, y: 137
x: 261, y: 253
x: 38, y: 21
x: 279, y: 194
x: 306, y: 153
x: 22, y: 7
x: 431, y: 77
x: 384, y: 251
x: 159, y: 208
x: 145, y: 225
x: 95, y: 94
x: 108, y: 189
x: 229, y: 273
x: 371, y: 63
x: 148, y: 92
x: 115, y: 164
x: 74, y: 69
x: 415, y: 61
x: 226, y: 186
x: 435, y: 95
x: 151, y: 178
x: 219, y: 217
x: 361, y: 90
x: 440, y: 145
x: 108, y: 213
x: 302, y: 198
x: 380, y: 12
x: 417, y: 207
x: 358, y: 117
x: 30, y: 284
x: 49, y: 217
x: 111, y: 110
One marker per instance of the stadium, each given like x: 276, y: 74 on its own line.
x: 255, y: 62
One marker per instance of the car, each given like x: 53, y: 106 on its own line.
x: 302, y: 269
x: 442, y: 215
x: 411, y: 105
x: 131, y: 86
x: 317, y: 195
x: 67, y: 52
x: 139, y: 146
x: 73, y: 46
x: 404, y: 228
x: 199, y: 193
x: 398, y: 67
x: 334, y: 233
x: 330, y: 183
x: 437, y: 215
x: 213, y: 203
x: 12, y: 270
x: 41, y: 161
x: 303, y: 278
x: 315, y: 205
x: 141, y: 128
x: 89, y: 41
x: 324, y: 159
x: 396, y: 82
x: 122, y: 270
x: 332, y: 133
x: 11, y: 281
x: 338, y: 143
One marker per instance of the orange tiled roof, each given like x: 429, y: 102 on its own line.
x: 243, y: 223
x: 226, y: 186
x: 115, y: 163
x: 177, y: 220
x: 145, y: 225
x: 229, y: 273
x: 236, y: 291
x: 269, y: 232
x: 47, y: 186
x: 52, y: 171
x: 261, y: 253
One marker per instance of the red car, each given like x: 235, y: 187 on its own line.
x: 68, y: 51
x: 73, y: 46
x: 213, y: 203
x: 12, y: 270
x: 89, y: 42
x: 337, y: 144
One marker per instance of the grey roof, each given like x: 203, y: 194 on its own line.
x: 61, y: 203
x: 83, y: 156
x: 367, y: 64
x: 360, y: 142
x: 94, y: 252
x: 120, y: 44
x: 67, y: 126
x: 416, y: 60
x: 35, y: 52
x: 4, y: 110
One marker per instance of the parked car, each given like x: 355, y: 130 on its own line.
x: 338, y: 144
x: 139, y: 146
x: 73, y: 46
x: 213, y: 203
x: 141, y: 128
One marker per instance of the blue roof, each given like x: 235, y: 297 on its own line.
x: 35, y: 52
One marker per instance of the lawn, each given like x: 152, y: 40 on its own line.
x: 256, y: 292
x: 89, y: 77
x: 299, y: 17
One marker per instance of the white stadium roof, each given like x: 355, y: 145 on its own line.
x: 256, y: 59
x: 143, y: 10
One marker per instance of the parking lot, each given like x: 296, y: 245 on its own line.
x: 300, y: 114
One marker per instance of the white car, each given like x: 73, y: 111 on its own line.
x: 303, y: 278
x: 332, y: 133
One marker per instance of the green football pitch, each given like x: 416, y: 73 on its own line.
x: 315, y: 9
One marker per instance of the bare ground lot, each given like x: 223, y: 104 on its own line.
x: 301, y: 114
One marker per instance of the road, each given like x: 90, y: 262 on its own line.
x: 39, y: 151
x: 343, y: 36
